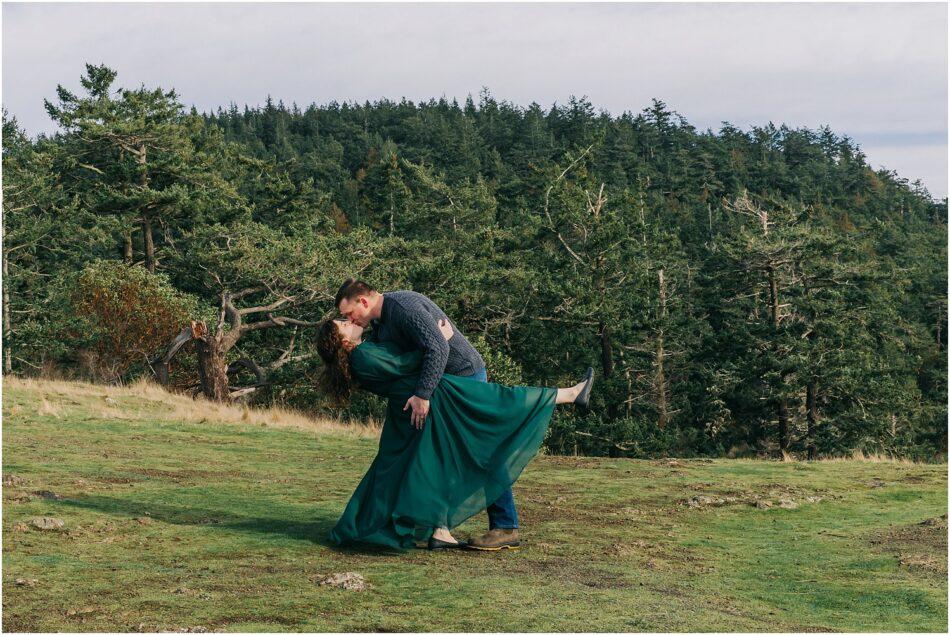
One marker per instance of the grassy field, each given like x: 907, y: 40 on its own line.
x: 179, y: 515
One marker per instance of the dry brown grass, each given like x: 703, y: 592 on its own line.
x: 48, y: 408
x: 877, y: 457
x: 144, y: 399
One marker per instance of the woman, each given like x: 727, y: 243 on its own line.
x: 476, y: 440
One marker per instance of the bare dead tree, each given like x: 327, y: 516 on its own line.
x: 212, y: 347
x: 772, y: 256
x: 660, y: 382
x: 592, y: 262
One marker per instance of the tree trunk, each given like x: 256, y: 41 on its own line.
x: 606, y: 350
x: 939, y: 330
x: 7, y: 326
x: 782, y: 407
x: 212, y: 366
x: 160, y: 365
x: 773, y: 299
x: 661, y: 401
x: 149, y: 245
x: 811, y: 407
x: 629, y: 378
x: 392, y: 215
x: 146, y: 219
x: 783, y: 431
x: 127, y: 248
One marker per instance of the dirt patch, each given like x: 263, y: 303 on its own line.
x: 765, y: 497
x: 627, y: 549
x: 559, y: 503
x: 535, y: 511
x: 566, y: 570
x: 602, y: 580
x: 184, y: 474
x: 574, y: 461
x: 701, y: 501
x: 919, y: 547
x: 13, y: 479
x: 117, y: 480
x: 923, y: 478
x: 680, y: 463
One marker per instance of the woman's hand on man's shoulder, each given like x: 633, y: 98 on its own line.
x: 446, y: 328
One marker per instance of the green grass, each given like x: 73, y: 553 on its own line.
x: 236, y: 516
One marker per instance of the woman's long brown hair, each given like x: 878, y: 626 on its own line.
x: 336, y: 378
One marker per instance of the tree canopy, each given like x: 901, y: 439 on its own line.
x: 738, y: 291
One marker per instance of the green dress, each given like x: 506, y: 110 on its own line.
x: 476, y: 440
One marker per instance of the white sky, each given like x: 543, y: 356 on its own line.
x: 876, y: 72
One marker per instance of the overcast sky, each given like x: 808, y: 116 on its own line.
x: 876, y: 72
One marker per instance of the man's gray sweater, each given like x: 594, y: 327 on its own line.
x: 411, y: 320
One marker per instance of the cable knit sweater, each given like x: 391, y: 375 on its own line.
x: 411, y: 320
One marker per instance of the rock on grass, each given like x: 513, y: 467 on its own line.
x: 47, y: 523
x: 350, y: 581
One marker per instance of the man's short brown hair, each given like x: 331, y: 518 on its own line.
x: 352, y: 288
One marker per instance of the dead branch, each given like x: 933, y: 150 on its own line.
x: 274, y: 321
x: 547, y: 198
x: 269, y: 307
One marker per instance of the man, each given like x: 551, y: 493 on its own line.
x: 411, y: 320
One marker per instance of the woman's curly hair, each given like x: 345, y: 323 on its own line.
x: 336, y: 378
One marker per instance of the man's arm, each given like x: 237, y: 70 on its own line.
x: 423, y: 331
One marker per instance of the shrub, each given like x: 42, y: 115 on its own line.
x: 125, y: 315
x: 501, y: 368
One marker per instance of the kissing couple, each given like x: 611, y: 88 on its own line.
x: 452, y: 443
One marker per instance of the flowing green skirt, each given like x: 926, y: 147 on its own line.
x: 476, y: 440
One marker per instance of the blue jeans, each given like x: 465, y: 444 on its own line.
x: 502, y: 513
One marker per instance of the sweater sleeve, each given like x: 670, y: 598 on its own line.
x: 421, y: 329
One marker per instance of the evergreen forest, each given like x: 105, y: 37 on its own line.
x: 738, y: 292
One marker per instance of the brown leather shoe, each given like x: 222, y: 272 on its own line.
x: 495, y: 540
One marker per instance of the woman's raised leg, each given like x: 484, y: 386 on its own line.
x: 570, y: 395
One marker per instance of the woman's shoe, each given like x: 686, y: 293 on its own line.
x: 438, y: 545
x: 583, y: 399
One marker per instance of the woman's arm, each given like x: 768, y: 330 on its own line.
x: 376, y: 363
x: 379, y: 366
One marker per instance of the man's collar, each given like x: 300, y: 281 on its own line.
x: 384, y: 309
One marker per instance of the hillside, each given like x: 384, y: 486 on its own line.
x: 180, y: 515
x: 740, y: 292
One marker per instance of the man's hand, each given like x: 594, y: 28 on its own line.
x: 420, y: 408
